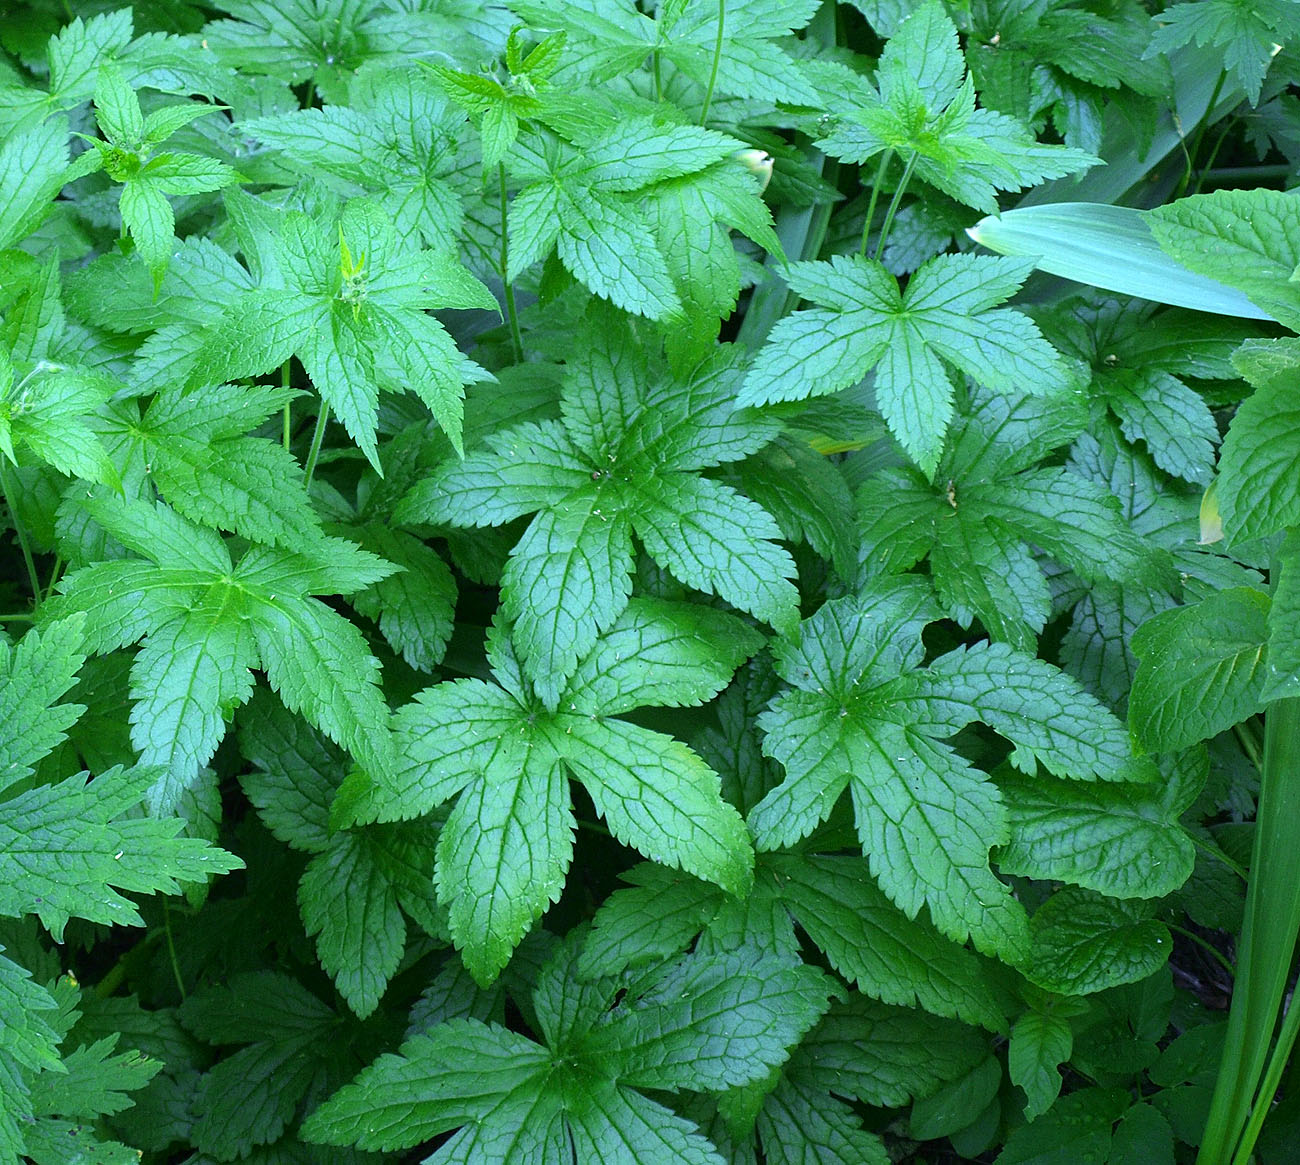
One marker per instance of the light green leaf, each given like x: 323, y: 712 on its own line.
x: 1083, y: 943
x: 1203, y: 669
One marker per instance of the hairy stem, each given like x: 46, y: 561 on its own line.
x: 284, y: 381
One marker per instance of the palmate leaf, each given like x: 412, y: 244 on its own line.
x: 1250, y: 35
x: 862, y: 716
x: 986, y: 502
x: 327, y: 42
x: 586, y: 201
x: 287, y: 1041
x: 947, y: 318
x: 352, y: 311
x: 1139, y: 369
x: 832, y: 899
x: 215, y: 621
x: 203, y: 462
x: 704, y: 1022
x: 506, y: 846
x: 67, y: 849
x: 48, y: 411
x: 608, y: 37
x: 623, y: 459
x: 1097, y: 647
x: 398, y: 138
x: 353, y: 891
x: 1033, y: 60
x: 922, y: 106
x: 82, y: 47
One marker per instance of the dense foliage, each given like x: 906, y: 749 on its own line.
x: 558, y: 608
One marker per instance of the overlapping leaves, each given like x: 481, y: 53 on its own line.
x: 623, y: 459
x: 863, y: 716
x: 505, y: 848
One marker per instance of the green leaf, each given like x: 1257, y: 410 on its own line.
x: 505, y: 851
x: 222, y: 620
x: 34, y: 675
x: 68, y: 849
x: 1121, y: 840
x: 703, y: 1022
x: 1084, y: 943
x: 1040, y: 1043
x: 1203, y: 669
x: 1249, y: 34
x: 925, y: 817
x: 355, y: 295
x: 1077, y: 1128
x: 623, y: 458
x: 986, y: 503
x: 922, y: 108
x: 1248, y: 239
x: 32, y: 163
x: 1113, y: 247
x: 1256, y: 488
x: 946, y: 317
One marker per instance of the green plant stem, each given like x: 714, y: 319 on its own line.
x: 6, y: 488
x: 1268, y: 938
x: 717, y: 57
x: 1249, y: 744
x: 802, y: 230
x: 171, y: 948
x: 1190, y: 151
x: 54, y: 575
x: 512, y: 312
x: 893, y: 205
x: 318, y: 435
x: 18, y: 617
x: 885, y: 159
x: 654, y: 69
x: 1214, y: 153
x: 1219, y: 856
x: 1208, y: 948
x: 284, y: 382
